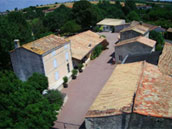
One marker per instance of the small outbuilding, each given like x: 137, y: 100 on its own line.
x: 133, y: 31
x: 83, y: 44
x: 110, y: 24
x: 150, y: 26
x: 133, y: 46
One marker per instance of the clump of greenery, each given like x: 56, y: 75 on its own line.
x: 74, y: 73
x: 65, y: 80
x: 158, y: 37
x: 133, y: 16
x: 54, y: 97
x: 22, y: 104
x: 96, y: 52
x: 80, y: 66
x: 39, y: 81
x: 103, y: 36
x: 70, y: 27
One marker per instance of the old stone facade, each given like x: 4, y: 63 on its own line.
x: 128, y: 121
x: 108, y: 122
x: 25, y: 63
x: 50, y: 56
x: 131, y: 49
x: 132, y: 34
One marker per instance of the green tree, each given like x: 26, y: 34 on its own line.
x: 23, y: 107
x: 55, y: 20
x: 158, y: 37
x: 133, y: 16
x: 39, y: 81
x: 130, y: 5
x: 38, y: 29
x: 13, y: 26
x: 70, y: 27
x: 111, y: 10
x: 54, y: 97
x: 86, y: 14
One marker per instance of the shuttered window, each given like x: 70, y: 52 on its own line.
x: 55, y: 63
x: 56, y: 76
x: 67, y: 56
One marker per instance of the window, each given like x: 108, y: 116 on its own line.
x: 68, y: 68
x: 53, y: 53
x: 55, y: 63
x: 67, y: 56
x: 120, y: 58
x: 56, y: 76
x: 66, y: 46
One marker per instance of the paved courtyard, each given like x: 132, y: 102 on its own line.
x: 83, y: 91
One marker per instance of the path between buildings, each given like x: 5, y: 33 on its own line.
x: 83, y: 91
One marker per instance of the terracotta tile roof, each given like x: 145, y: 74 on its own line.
x: 111, y: 22
x: 44, y: 44
x: 165, y: 60
x: 117, y: 95
x: 140, y: 39
x: 152, y: 88
x: 154, y: 94
x: 83, y: 43
x: 137, y: 28
x: 169, y: 30
x: 151, y: 27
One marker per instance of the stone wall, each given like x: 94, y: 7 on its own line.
x: 128, y: 121
x: 108, y: 122
x: 120, y: 27
x: 128, y: 35
x: 147, y: 122
x: 25, y: 63
x: 130, y: 49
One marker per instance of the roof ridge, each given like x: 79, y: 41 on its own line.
x: 39, y: 39
x: 138, y: 84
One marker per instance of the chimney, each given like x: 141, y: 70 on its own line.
x: 16, y: 43
x: 140, y: 22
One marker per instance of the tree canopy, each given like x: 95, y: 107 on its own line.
x: 70, y: 27
x: 157, y: 36
x: 22, y: 106
x: 32, y: 23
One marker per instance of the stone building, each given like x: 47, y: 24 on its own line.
x: 150, y: 26
x: 110, y: 24
x: 134, y: 30
x: 136, y: 96
x: 50, y: 55
x: 133, y: 46
x: 83, y: 44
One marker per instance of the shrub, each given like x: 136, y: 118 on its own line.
x: 74, y: 72
x: 65, y: 80
x: 158, y: 37
x: 55, y: 97
x: 80, y: 66
x: 39, y: 81
x: 96, y: 52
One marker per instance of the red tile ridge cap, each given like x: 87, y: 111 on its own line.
x: 139, y: 83
x: 153, y: 115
